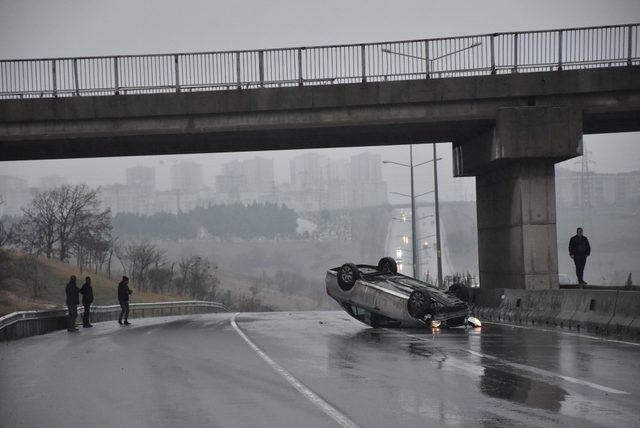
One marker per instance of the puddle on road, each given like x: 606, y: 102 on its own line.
x: 510, y: 386
x: 495, y: 382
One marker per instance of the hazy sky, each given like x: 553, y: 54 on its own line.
x: 46, y: 28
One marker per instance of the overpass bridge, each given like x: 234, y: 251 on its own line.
x: 513, y: 104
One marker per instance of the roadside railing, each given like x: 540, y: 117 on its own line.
x: 498, y: 53
x: 29, y: 323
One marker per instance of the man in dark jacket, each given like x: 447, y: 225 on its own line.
x: 72, y: 303
x: 579, y: 250
x: 123, y: 298
x: 87, y: 299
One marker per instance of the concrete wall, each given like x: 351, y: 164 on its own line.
x: 603, y: 312
x: 30, y: 323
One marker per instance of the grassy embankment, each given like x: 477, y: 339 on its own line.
x: 16, y: 285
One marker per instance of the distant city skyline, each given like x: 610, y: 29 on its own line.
x: 611, y: 153
x: 317, y: 182
x: 106, y: 171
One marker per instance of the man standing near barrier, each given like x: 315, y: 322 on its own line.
x: 87, y: 299
x: 72, y: 303
x: 579, y: 250
x: 123, y: 298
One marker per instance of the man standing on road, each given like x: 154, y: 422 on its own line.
x: 579, y: 250
x: 87, y: 299
x: 123, y: 298
x: 72, y: 303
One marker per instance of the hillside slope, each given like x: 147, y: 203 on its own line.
x: 19, y: 276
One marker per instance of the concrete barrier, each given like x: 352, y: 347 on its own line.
x: 595, y: 311
x: 30, y: 323
x: 527, y: 304
x: 547, y: 308
x: 626, y: 317
x: 569, y: 300
x: 511, y: 306
x: 485, y: 304
x: 532, y: 304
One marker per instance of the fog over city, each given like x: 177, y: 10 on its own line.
x: 610, y: 153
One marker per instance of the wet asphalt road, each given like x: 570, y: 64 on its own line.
x: 199, y: 371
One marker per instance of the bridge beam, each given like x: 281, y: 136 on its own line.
x: 515, y: 189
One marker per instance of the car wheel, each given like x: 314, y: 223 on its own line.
x: 388, y: 264
x: 461, y: 291
x: 419, y: 304
x: 348, y: 274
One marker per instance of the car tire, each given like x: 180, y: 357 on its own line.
x: 388, y: 264
x: 348, y: 274
x: 419, y: 304
x: 461, y: 291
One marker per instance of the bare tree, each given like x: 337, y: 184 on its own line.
x: 254, y: 289
x: 77, y: 213
x: 29, y: 269
x: 160, y: 278
x: 25, y: 235
x: 112, y: 248
x: 138, y: 259
x: 184, y: 267
x: 91, y: 252
x: 60, y: 220
x: 92, y: 240
x: 5, y: 236
x: 36, y: 231
x: 196, y: 278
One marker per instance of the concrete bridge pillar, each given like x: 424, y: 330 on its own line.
x: 513, y: 163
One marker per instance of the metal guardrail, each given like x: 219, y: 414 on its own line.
x: 14, y: 317
x: 485, y: 54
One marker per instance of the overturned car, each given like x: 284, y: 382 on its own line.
x: 381, y: 297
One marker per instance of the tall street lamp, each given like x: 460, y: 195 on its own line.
x: 435, y: 182
x: 428, y: 62
x: 413, y: 196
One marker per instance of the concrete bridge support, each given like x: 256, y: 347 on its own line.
x: 513, y: 163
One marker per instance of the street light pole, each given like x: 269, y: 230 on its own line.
x: 438, y: 246
x: 413, y: 197
x: 435, y: 166
x: 414, y: 236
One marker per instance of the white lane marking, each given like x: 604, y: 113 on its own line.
x: 548, y: 373
x: 530, y: 369
x: 327, y: 408
x: 586, y: 336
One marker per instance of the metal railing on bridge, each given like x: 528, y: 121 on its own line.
x: 499, y: 53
